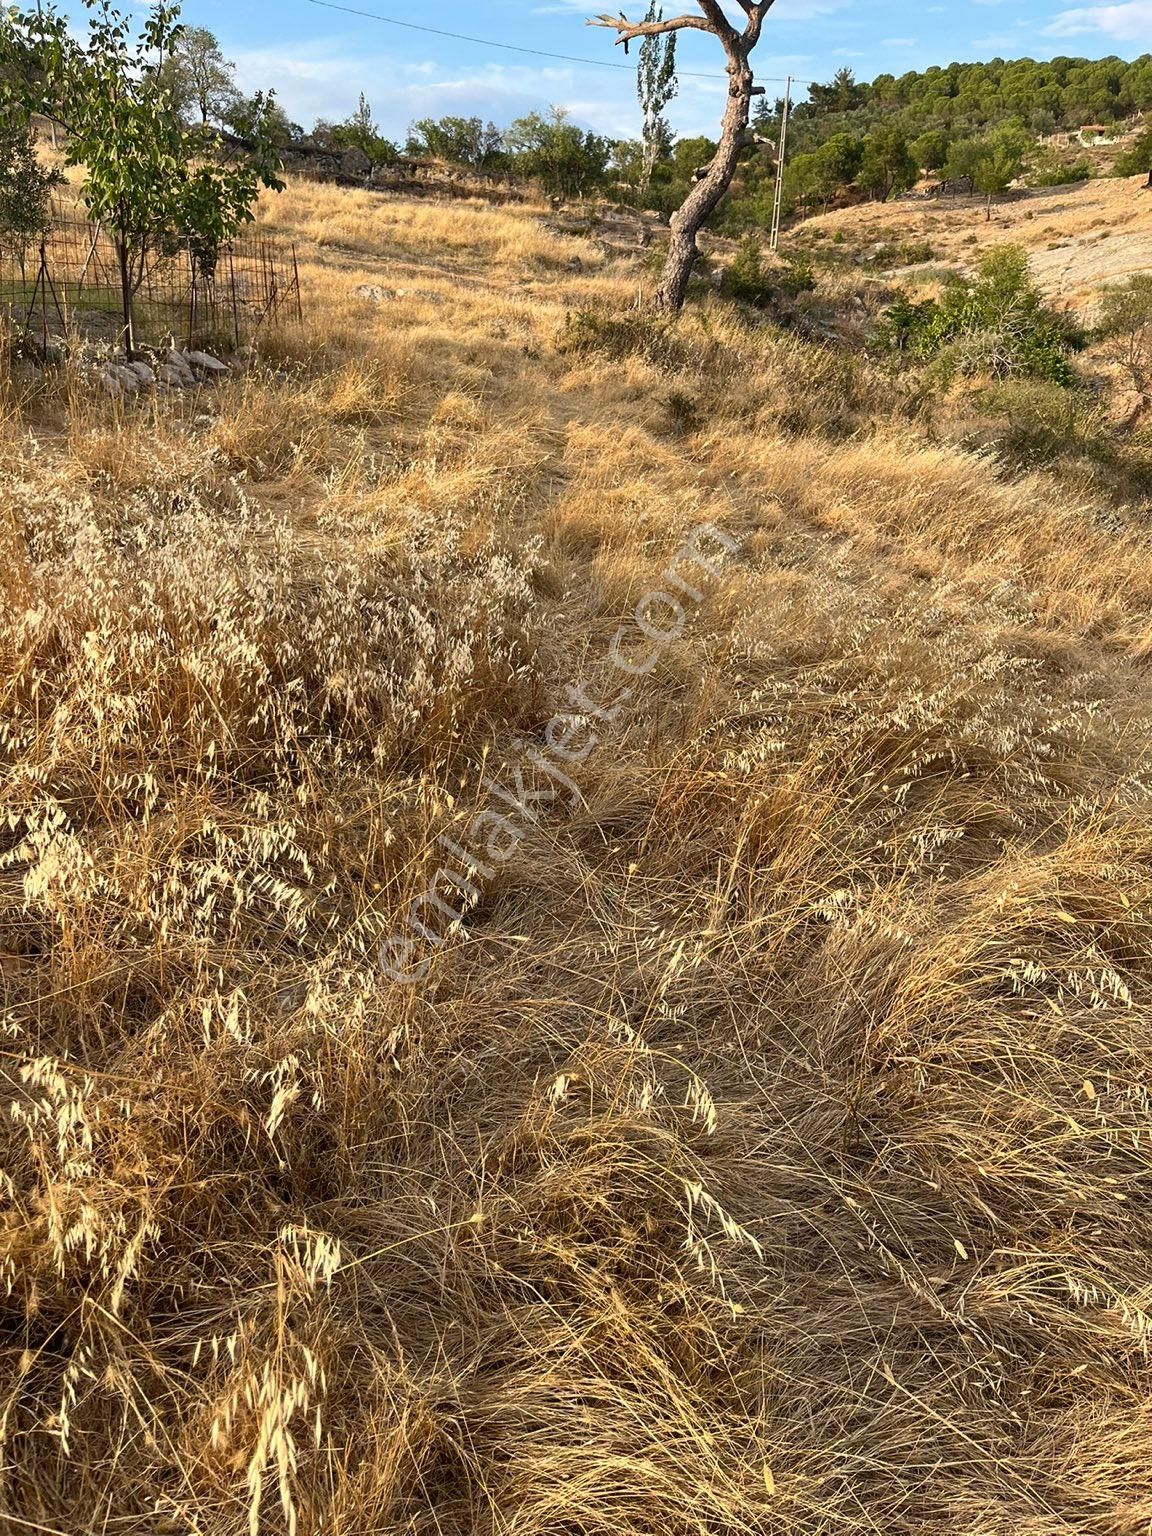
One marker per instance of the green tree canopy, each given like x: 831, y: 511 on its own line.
x: 564, y: 159
x: 930, y: 149
x: 358, y: 131
x: 886, y: 164
x: 461, y: 140
x: 25, y: 186
x: 200, y: 79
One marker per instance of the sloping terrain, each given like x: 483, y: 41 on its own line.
x: 1077, y: 236
x: 767, y: 1148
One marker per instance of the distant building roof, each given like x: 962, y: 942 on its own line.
x: 1095, y: 128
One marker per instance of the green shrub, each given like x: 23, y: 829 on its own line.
x: 1034, y: 424
x: 797, y: 276
x: 907, y: 253
x: 1126, y: 327
x: 25, y: 186
x: 749, y: 280
x: 1136, y: 160
x: 1044, y: 421
x: 903, y: 325
x: 997, y: 325
x: 1047, y: 169
x: 745, y: 279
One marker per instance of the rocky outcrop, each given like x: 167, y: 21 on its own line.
x: 420, y: 178
x: 355, y: 164
x: 170, y: 370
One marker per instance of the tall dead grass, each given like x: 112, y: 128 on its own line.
x: 768, y: 1148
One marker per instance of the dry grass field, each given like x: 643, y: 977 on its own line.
x: 769, y: 1147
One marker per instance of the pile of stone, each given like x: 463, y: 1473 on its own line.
x: 166, y: 371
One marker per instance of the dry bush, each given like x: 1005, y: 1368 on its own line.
x: 764, y: 1151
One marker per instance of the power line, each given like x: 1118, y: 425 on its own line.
x: 487, y: 42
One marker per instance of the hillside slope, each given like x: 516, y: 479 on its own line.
x: 768, y: 1147
x: 1077, y: 236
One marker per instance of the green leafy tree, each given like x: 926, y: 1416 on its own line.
x: 819, y: 175
x: 656, y: 85
x: 842, y: 94
x: 25, y: 186
x: 250, y: 115
x: 145, y: 173
x: 460, y: 140
x: 200, y: 79
x: 1136, y: 160
x: 886, y: 164
x: 994, y: 162
x: 358, y: 131
x: 963, y: 160
x: 995, y: 172
x: 566, y: 161
x: 842, y: 157
x: 627, y: 161
x: 930, y: 149
x: 691, y: 153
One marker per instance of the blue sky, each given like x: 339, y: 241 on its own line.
x: 319, y: 59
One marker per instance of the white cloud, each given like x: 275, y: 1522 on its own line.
x: 328, y: 84
x: 1130, y: 21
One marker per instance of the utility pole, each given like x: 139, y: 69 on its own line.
x: 778, y: 202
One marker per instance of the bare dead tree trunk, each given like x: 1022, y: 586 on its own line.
x: 696, y: 209
x: 688, y: 220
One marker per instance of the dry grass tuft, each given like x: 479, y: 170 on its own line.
x: 767, y: 1150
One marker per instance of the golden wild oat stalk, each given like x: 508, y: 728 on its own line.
x: 769, y: 1150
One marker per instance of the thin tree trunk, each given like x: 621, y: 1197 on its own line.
x: 126, y: 294
x: 688, y: 220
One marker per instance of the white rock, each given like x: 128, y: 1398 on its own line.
x: 144, y: 374
x: 206, y: 361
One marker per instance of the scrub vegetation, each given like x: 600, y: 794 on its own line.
x: 767, y: 1149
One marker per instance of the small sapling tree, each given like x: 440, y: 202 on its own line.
x: 25, y: 187
x: 146, y: 176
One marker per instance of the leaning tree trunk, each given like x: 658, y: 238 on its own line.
x: 694, y: 212
x: 686, y: 223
